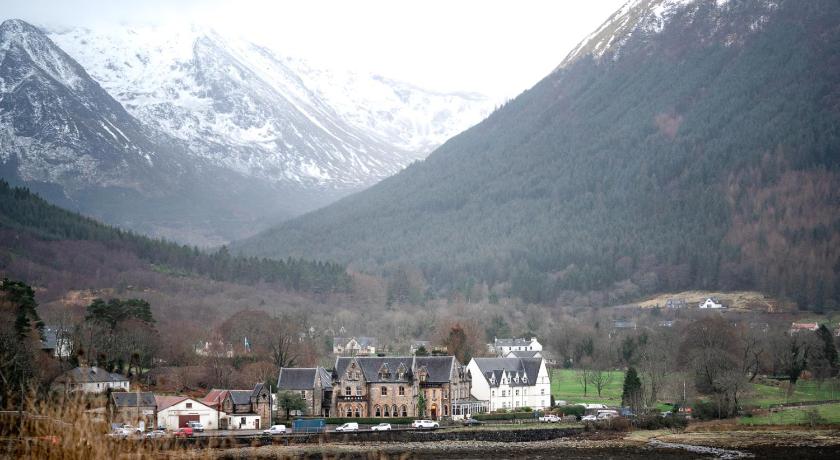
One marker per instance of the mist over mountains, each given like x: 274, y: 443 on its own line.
x: 199, y: 137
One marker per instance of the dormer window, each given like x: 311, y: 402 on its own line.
x: 524, y: 379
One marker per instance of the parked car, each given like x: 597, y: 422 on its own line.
x: 196, y: 426
x: 155, y: 434
x: 120, y: 432
x: 588, y: 418
x: 550, y: 418
x: 275, y: 429
x: 352, y: 426
x: 381, y: 427
x: 429, y: 424
x: 472, y: 422
x: 185, y: 432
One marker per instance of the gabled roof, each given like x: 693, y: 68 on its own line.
x: 125, y: 399
x: 529, y: 367
x: 164, y: 402
x: 326, y: 378
x: 370, y: 366
x: 297, y: 378
x: 92, y: 374
x: 523, y: 354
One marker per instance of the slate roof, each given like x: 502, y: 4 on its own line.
x: 215, y: 397
x: 529, y: 367
x: 92, y: 374
x: 297, y: 378
x: 370, y: 366
x: 438, y: 367
x: 125, y: 399
x: 240, y: 397
x: 326, y: 378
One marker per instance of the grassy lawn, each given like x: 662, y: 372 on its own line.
x: 565, y: 386
x: 806, y: 390
x: 827, y: 413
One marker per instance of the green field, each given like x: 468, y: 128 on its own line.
x: 824, y: 414
x: 565, y: 386
x: 806, y: 390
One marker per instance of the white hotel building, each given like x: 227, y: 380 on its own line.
x: 511, y: 383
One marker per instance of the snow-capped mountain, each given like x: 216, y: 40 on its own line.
x: 643, y: 20
x: 246, y: 108
x: 57, y: 125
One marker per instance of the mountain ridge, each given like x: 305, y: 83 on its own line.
x: 613, y: 178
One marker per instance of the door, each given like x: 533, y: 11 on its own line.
x: 184, y: 419
x: 434, y: 411
x: 223, y: 423
x: 257, y: 424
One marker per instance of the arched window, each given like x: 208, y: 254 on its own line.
x: 394, y: 410
x: 404, y: 411
x: 384, y: 391
x: 358, y: 412
x: 349, y: 411
x: 445, y: 410
x: 386, y: 412
x: 377, y: 412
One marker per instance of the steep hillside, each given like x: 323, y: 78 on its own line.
x: 683, y: 145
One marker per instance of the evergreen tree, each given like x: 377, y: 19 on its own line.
x: 631, y: 392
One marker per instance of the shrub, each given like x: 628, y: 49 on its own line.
x: 656, y: 422
x: 576, y: 410
x: 370, y: 420
x: 612, y: 424
x: 505, y: 416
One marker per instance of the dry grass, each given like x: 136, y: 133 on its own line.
x: 735, y: 300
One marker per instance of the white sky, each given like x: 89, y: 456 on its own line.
x: 499, y: 48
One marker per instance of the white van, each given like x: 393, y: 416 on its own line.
x: 352, y: 426
x: 607, y: 413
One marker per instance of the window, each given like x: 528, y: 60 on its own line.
x: 358, y: 391
x: 349, y: 411
x: 542, y: 391
x: 384, y: 391
x: 241, y: 421
x: 504, y: 393
x: 189, y: 405
x: 347, y: 391
x: 376, y: 412
x: 358, y: 412
x: 385, y: 411
x: 493, y: 393
x: 394, y: 410
x: 517, y: 392
x: 404, y: 411
x: 402, y: 391
x: 303, y: 394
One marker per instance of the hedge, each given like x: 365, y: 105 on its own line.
x: 369, y: 420
x: 505, y: 416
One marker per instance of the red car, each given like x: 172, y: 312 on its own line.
x: 185, y: 432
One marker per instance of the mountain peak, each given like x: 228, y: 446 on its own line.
x: 639, y: 21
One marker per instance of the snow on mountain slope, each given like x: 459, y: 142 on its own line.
x: 246, y: 108
x: 644, y: 19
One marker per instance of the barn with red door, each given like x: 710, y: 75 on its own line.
x: 176, y: 411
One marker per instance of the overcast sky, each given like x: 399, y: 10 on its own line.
x: 499, y: 48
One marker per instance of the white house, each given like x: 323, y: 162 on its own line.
x: 504, y: 346
x: 90, y: 379
x: 354, y: 346
x: 175, y: 412
x: 511, y: 383
x: 710, y: 303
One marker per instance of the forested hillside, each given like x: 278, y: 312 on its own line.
x: 698, y: 150
x: 25, y: 216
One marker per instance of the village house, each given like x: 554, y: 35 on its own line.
x: 314, y: 384
x: 135, y: 409
x: 501, y: 347
x: 711, y: 303
x: 175, y: 412
x: 241, y: 409
x: 354, y: 346
x: 511, y: 383
x: 392, y: 386
x: 90, y: 379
